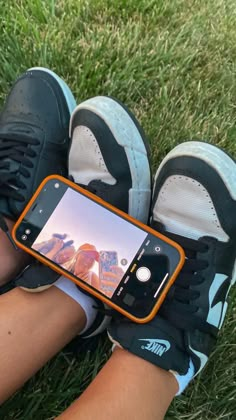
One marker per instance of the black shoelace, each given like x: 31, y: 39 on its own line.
x: 15, y: 160
x: 182, y: 296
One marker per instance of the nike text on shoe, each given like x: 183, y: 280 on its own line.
x: 34, y: 136
x: 194, y: 203
x: 110, y: 155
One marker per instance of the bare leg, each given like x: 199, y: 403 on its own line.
x: 11, y: 261
x: 127, y: 387
x: 33, y: 328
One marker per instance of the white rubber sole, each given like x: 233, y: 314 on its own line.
x: 127, y: 135
x: 71, y: 102
x: 213, y: 156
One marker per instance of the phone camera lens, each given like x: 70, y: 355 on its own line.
x: 57, y: 185
x: 24, y: 237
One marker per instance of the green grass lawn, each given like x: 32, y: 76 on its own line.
x: 173, y: 63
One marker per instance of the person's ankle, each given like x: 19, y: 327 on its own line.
x: 137, y: 364
x: 181, y: 381
x: 11, y: 261
x: 61, y: 308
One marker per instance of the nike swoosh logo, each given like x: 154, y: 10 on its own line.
x: 217, y: 311
x: 202, y: 357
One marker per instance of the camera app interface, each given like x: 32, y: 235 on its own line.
x: 92, y: 243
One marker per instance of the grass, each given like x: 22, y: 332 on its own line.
x: 173, y: 63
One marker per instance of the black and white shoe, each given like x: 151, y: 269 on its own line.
x: 110, y: 155
x: 34, y: 136
x: 194, y: 203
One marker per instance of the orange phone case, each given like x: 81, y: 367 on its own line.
x: 84, y: 286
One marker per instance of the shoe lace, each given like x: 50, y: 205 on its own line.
x: 15, y: 160
x: 15, y: 154
x: 181, y: 300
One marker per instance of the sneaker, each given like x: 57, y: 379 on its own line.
x: 109, y: 155
x: 34, y: 139
x: 194, y: 203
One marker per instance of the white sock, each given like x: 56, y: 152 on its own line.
x: 86, y: 302
x: 183, y: 380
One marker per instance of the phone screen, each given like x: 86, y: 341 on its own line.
x: 120, y: 260
x: 92, y: 229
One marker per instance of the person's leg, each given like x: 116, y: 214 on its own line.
x: 127, y: 387
x: 156, y: 361
x: 11, y: 260
x: 33, y: 328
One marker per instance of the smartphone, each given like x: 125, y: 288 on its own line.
x: 116, y: 258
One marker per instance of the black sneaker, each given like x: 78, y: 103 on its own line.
x: 109, y: 155
x: 194, y: 203
x: 34, y: 136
